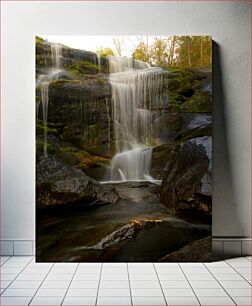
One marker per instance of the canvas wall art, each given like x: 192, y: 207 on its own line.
x: 123, y: 148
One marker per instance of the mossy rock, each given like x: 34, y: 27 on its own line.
x: 199, y: 103
x: 68, y: 158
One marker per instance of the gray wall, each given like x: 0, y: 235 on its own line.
x: 229, y: 25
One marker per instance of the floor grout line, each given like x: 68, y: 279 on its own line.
x: 41, y: 283
x: 16, y: 276
x: 9, y: 257
x: 220, y: 284
x: 96, y: 300
x: 131, y: 299
x: 70, y: 284
x: 189, y: 284
x: 160, y: 284
x: 240, y: 273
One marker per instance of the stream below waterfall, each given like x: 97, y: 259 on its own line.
x: 68, y: 234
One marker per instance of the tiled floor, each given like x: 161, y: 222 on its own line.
x: 24, y: 282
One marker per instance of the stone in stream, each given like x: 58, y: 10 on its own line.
x: 58, y: 184
x: 187, y: 181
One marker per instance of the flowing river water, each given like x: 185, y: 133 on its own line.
x: 138, y: 227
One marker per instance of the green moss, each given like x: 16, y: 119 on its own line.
x: 39, y: 40
x: 199, y: 103
x: 40, y: 129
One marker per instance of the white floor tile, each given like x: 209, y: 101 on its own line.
x: 29, y: 276
x: 192, y: 264
x: 79, y: 301
x: 9, y: 270
x: 114, y: 292
x: 51, y: 292
x: 21, y: 258
x: 114, y: 270
x: 55, y: 284
x: 168, y: 270
x: 4, y: 259
x: 235, y: 284
x: 14, y: 264
x: 237, y: 259
x: 219, y: 270
x: 19, y: 292
x: 166, y: 264
x: 84, y: 284
x: 239, y: 291
x: 249, y: 258
x: 220, y: 300
x: 9, y: 276
x: 247, y: 277
x: 95, y: 264
x: 172, y: 276
x: 145, y: 284
x: 146, y: 270
x: 189, y: 300
x: 146, y: 292
x: 210, y: 292
x: 217, y: 264
x: 243, y: 300
x: 47, y: 300
x: 63, y: 270
x: 243, y: 270
x: 178, y: 292
x: 201, y: 277
x: 204, y: 284
x: 103, y: 300
x: 147, y: 300
x: 5, y: 283
x: 25, y: 284
x: 66, y: 264
x: 31, y: 270
x: 195, y: 270
x: 139, y: 276
x: 140, y: 264
x: 87, y: 277
x: 40, y: 265
x: 82, y: 292
x: 114, y: 284
x: 58, y: 277
x: 229, y: 276
x: 241, y: 264
x: 119, y: 276
x: 15, y: 300
x: 174, y: 284
x: 88, y: 270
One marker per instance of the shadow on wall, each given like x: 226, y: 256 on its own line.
x: 226, y: 217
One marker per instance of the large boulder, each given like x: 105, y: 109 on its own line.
x: 58, y: 184
x: 186, y: 185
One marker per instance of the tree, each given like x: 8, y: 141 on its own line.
x: 159, y: 52
x: 105, y: 51
x: 141, y: 52
x: 118, y: 43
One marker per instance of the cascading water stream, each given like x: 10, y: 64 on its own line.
x: 44, y: 81
x: 136, y: 91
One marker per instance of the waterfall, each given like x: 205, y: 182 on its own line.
x: 56, y: 55
x: 136, y: 91
x: 44, y: 82
x: 99, y: 61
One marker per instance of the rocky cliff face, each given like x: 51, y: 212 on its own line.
x: 81, y: 135
x: 187, y: 180
x: 58, y: 184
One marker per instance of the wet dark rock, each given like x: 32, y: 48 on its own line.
x: 199, y: 250
x: 58, y: 184
x: 186, y: 185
